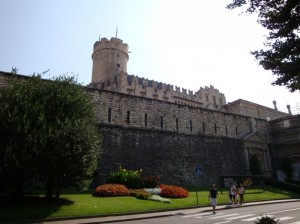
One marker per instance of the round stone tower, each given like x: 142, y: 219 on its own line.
x: 109, y: 58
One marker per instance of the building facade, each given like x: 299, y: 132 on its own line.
x: 285, y: 136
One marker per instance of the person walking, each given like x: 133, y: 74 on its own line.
x: 232, y: 195
x: 213, y: 194
x: 241, y: 192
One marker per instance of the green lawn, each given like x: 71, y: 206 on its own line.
x: 84, y: 204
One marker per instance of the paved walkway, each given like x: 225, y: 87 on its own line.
x: 136, y: 216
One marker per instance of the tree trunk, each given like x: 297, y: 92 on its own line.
x: 49, y: 192
x: 19, y: 182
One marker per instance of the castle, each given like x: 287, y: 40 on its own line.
x: 169, y: 131
x: 161, y: 129
x: 109, y: 72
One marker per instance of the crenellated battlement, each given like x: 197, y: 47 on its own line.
x: 113, y: 43
x: 140, y: 86
x: 146, y: 83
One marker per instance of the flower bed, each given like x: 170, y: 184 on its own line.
x: 108, y: 190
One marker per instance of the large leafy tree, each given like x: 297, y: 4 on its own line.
x: 282, y: 47
x: 48, y: 133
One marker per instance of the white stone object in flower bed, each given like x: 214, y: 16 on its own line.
x: 153, y: 190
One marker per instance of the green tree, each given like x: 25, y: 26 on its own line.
x: 282, y: 54
x: 255, y: 165
x: 47, y: 132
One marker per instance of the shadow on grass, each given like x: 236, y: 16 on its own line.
x: 33, y: 200
x: 27, y: 207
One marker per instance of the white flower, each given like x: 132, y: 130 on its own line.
x: 159, y: 198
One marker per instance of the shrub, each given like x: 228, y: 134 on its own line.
x: 173, y: 191
x: 266, y: 220
x: 109, y: 190
x: 283, y: 185
x: 131, y: 179
x: 150, y: 181
x: 139, y: 193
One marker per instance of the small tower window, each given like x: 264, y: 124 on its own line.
x: 215, y: 102
x: 128, y: 117
x: 109, y: 115
x: 146, y: 120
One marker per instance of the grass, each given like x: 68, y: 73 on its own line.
x: 81, y: 204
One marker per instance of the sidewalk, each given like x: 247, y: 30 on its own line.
x: 136, y: 216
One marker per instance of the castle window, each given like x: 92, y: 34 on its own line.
x: 128, y: 117
x: 118, y: 55
x: 162, y: 122
x: 177, y: 124
x: 109, y: 115
x: 220, y: 100
x: 206, y: 97
x: 236, y: 131
x: 118, y: 65
x: 165, y: 92
x: 203, y: 127
x: 155, y: 90
x: 215, y: 102
x: 191, y: 125
x: 215, y: 128
x: 129, y: 79
x: 140, y: 81
x: 226, y: 130
x: 146, y: 120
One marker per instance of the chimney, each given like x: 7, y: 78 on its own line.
x: 289, y: 109
x: 274, y: 103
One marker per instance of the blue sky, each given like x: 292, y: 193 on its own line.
x: 186, y: 43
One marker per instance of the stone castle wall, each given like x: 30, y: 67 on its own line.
x: 132, y: 111
x: 172, y: 156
